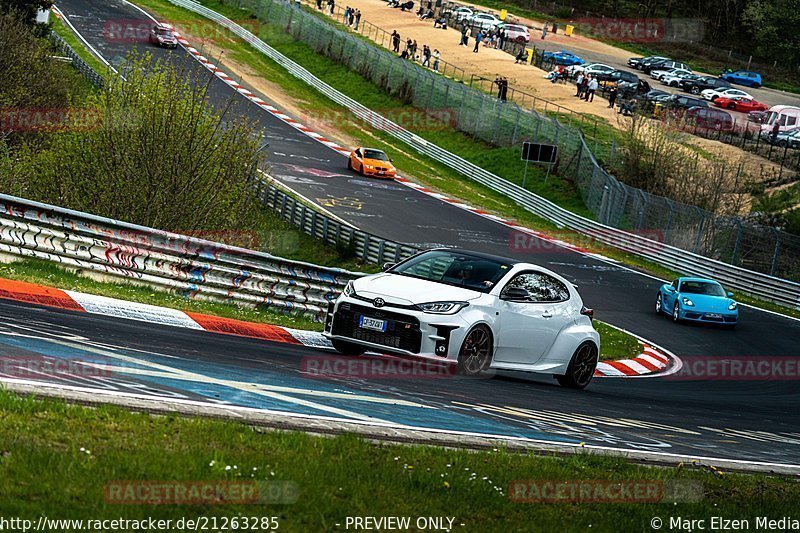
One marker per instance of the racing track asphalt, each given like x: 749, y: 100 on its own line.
x: 618, y: 295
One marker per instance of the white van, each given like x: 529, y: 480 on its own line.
x: 787, y: 116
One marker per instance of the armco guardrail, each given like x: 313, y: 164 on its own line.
x: 82, y: 66
x: 756, y: 284
x: 366, y: 247
x: 192, y: 267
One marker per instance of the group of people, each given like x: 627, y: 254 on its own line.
x: 587, y: 85
x: 352, y: 17
x: 494, y: 38
x: 410, y: 52
x: 331, y: 6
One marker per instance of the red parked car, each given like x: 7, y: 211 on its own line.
x: 745, y: 105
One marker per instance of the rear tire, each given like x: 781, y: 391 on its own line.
x: 475, y: 354
x: 581, y: 367
x: 347, y: 348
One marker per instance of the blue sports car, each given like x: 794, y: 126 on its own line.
x: 563, y: 57
x: 697, y: 300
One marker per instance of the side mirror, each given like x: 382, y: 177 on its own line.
x: 515, y: 293
x: 387, y: 266
x: 730, y: 294
x: 670, y: 288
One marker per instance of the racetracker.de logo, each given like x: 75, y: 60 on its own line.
x: 49, y: 120
x: 213, y: 492
x: 642, y: 30
x: 331, y: 367
x: 138, y: 30
x: 604, y: 491
x: 523, y: 242
x: 738, y: 368
x: 40, y: 366
x: 390, y: 119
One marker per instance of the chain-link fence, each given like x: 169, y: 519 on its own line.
x: 82, y: 66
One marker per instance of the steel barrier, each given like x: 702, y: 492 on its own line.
x: 757, y: 284
x: 191, y: 267
x: 83, y: 67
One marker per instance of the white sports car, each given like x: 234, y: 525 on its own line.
x: 475, y: 310
x: 713, y: 94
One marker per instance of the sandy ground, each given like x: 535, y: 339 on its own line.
x: 490, y: 63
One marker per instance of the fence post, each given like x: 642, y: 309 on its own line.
x: 516, y: 127
x: 669, y: 221
x: 738, y: 240
x: 777, y: 251
x: 497, y: 122
x: 700, y: 229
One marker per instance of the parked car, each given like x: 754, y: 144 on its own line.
x: 713, y: 94
x: 674, y: 80
x: 662, y: 64
x: 484, y: 21
x: 709, y: 118
x: 595, y: 69
x: 162, y: 35
x: 784, y: 138
x: 696, y: 86
x: 658, y: 74
x: 740, y: 103
x: 517, y: 33
x: 637, y: 62
x: 787, y: 117
x: 617, y: 76
x: 472, y: 310
x: 563, y: 57
x: 743, y: 77
x: 757, y: 117
x: 677, y: 104
x: 697, y: 300
x: 461, y: 13
x: 371, y: 162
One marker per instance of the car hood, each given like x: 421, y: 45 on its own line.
x: 707, y: 303
x: 378, y: 163
x: 394, y: 288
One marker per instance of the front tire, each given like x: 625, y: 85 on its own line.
x: 347, y: 348
x: 676, y: 313
x: 475, y: 354
x: 581, y: 367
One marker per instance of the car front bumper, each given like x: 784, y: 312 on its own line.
x: 693, y: 315
x: 407, y: 331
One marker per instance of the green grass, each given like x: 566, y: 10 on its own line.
x: 66, y: 33
x: 616, y: 344
x: 53, y: 275
x: 56, y: 459
x: 501, y: 161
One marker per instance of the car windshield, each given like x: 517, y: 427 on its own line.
x: 454, y: 268
x: 702, y: 287
x: 375, y: 154
x: 166, y: 32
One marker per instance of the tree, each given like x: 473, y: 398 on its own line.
x: 773, y: 25
x: 148, y: 150
x: 26, y: 11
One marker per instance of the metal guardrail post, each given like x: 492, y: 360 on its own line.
x: 776, y: 252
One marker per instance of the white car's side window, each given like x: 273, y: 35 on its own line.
x: 541, y: 287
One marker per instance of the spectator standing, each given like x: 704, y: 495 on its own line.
x: 358, y: 18
x: 776, y: 129
x: 426, y: 56
x: 352, y: 17
x: 501, y: 39
x: 579, y: 84
x: 478, y: 39
x: 464, y: 36
x: 395, y: 42
x: 499, y: 86
x: 503, y: 88
x: 319, y: 5
x: 544, y: 31
x: 612, y: 96
x: 590, y: 89
x: 331, y: 6
x: 346, y: 15
x: 413, y: 52
x: 436, y: 59
x: 522, y: 56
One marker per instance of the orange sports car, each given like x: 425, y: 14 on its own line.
x: 371, y: 162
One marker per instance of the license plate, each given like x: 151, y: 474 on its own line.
x: 713, y: 315
x: 372, y: 323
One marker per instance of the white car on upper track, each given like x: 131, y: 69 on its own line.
x: 713, y: 94
x: 474, y: 310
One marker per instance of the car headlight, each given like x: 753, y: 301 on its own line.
x: 733, y: 306
x: 370, y: 167
x: 349, y: 290
x: 688, y: 302
x: 442, y: 308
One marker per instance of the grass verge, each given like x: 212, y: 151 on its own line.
x: 56, y: 459
x: 66, y: 33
